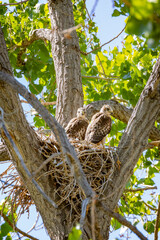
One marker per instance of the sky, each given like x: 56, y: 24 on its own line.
x: 109, y: 27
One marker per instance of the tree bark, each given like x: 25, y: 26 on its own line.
x: 66, y: 56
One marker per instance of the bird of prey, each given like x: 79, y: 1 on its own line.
x: 77, y: 126
x: 99, y: 126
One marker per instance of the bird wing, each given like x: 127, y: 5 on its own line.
x: 98, y: 128
x: 76, y: 128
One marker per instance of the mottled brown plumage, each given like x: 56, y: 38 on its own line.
x: 77, y: 126
x: 99, y: 126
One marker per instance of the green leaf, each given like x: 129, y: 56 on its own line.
x: 149, y: 227
x: 39, y: 122
x: 75, y: 234
x: 116, y: 13
x: 5, y: 229
x: 35, y: 88
x: 115, y: 224
x: 149, y: 181
x: 43, y: 53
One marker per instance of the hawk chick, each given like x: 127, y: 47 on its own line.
x: 77, y: 126
x: 99, y: 126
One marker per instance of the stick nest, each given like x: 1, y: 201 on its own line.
x: 97, y: 164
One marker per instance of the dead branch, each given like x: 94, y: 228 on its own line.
x: 124, y: 222
x: 15, y: 228
x: 157, y: 223
x: 42, y: 102
x: 69, y: 30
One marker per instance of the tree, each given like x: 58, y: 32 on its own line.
x: 122, y: 76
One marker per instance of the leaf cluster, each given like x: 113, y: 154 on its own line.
x: 143, y: 18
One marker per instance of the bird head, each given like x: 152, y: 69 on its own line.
x: 81, y: 112
x: 106, y: 109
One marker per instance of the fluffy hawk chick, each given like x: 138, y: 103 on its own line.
x: 99, y: 126
x: 77, y: 126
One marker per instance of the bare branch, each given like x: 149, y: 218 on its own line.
x: 15, y: 228
x: 154, y: 143
x: 13, y: 4
x: 140, y: 189
x: 104, y: 43
x: 67, y: 32
x: 124, y: 222
x: 157, y: 223
x: 66, y: 148
x: 150, y: 207
x: 42, y: 102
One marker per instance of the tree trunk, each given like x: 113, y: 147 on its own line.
x: 66, y: 56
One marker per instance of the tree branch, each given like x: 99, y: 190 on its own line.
x: 13, y: 4
x: 66, y: 147
x: 150, y: 207
x: 140, y: 189
x: 124, y: 222
x: 42, y: 102
x: 15, y: 228
x: 157, y: 223
x: 104, y: 43
x: 37, y: 34
x: 119, y: 112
